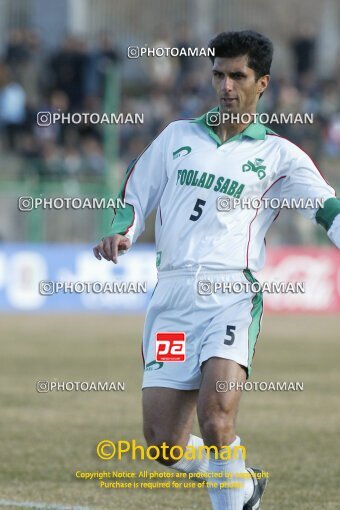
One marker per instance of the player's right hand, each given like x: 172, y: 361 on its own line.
x: 109, y: 246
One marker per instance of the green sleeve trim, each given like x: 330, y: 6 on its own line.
x: 326, y: 214
x: 124, y: 217
x: 122, y: 221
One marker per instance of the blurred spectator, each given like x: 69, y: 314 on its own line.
x: 329, y: 102
x: 69, y: 66
x: 164, y: 69
x: 12, y: 106
x: 185, y: 40
x: 16, y: 51
x: 93, y: 157
x: 99, y: 64
x: 72, y: 162
x: 57, y: 103
x: 304, y: 50
x: 31, y: 73
x: 29, y: 150
x: 52, y: 167
x: 332, y: 141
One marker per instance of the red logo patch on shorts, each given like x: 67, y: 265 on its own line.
x: 170, y: 346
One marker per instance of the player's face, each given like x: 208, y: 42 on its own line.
x: 236, y: 86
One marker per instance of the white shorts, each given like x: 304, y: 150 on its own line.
x: 222, y: 324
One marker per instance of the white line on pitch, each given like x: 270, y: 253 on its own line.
x: 39, y: 506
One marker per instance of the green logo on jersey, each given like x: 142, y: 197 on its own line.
x: 256, y: 167
x: 158, y: 258
x: 183, y: 151
x: 154, y: 365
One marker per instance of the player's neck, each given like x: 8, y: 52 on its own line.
x: 228, y: 130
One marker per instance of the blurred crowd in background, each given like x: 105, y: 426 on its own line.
x: 72, y: 79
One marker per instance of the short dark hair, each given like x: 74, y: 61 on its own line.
x: 257, y: 47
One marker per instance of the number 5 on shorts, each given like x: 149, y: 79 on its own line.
x: 230, y: 333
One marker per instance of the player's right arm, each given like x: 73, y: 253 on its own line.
x: 141, y: 190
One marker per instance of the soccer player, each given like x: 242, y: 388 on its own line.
x: 182, y: 173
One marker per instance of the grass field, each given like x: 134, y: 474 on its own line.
x: 46, y: 437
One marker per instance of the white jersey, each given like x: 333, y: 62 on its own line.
x: 186, y: 170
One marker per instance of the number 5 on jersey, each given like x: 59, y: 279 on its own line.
x: 198, y: 209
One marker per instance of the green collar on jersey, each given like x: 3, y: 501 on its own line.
x: 257, y: 131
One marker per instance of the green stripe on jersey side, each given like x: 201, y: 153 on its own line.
x: 123, y: 218
x: 326, y: 214
x: 256, y: 314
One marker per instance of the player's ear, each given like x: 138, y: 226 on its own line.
x: 262, y: 83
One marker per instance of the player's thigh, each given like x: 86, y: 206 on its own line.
x: 235, y: 325
x: 170, y: 311
x: 168, y: 415
x: 218, y: 404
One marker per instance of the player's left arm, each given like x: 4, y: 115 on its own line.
x: 304, y: 181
